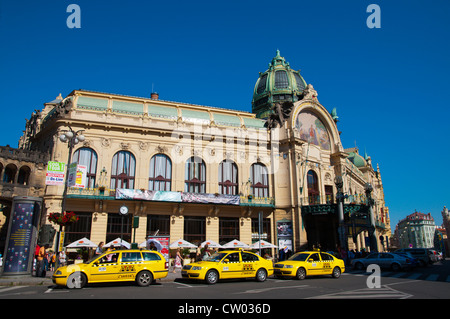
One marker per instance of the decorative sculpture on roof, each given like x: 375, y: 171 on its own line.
x: 280, y: 113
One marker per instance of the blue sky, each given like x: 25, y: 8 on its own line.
x: 389, y: 85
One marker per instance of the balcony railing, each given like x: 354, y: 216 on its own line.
x: 359, y: 199
x: 91, y: 192
x: 106, y: 193
x: 257, y: 201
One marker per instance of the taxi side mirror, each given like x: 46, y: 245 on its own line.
x: 310, y: 260
x: 226, y: 261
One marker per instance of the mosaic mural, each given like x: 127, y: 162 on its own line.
x: 312, y: 129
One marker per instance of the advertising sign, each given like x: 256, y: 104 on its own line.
x: 165, y: 242
x: 77, y: 175
x: 55, y: 173
x: 22, y: 234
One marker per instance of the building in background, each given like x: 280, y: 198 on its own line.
x: 416, y: 231
x: 205, y: 173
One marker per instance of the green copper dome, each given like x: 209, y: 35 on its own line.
x: 279, y: 83
x: 357, y: 159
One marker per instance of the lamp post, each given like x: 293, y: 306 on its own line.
x: 340, y: 202
x: 72, y: 138
x: 370, y: 202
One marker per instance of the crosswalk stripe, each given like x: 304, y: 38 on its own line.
x: 404, y: 275
x: 414, y: 275
x: 432, y: 277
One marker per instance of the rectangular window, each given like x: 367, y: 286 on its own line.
x: 79, y: 229
x: 228, y: 229
x: 158, y: 225
x: 194, y: 229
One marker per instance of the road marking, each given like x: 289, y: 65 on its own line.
x: 51, y: 290
x: 367, y: 293
x: 414, y: 275
x: 432, y: 277
x: 188, y: 286
x: 399, y: 274
x: 2, y: 290
x: 257, y: 291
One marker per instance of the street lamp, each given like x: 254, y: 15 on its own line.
x: 72, y: 138
x: 370, y: 202
x: 338, y: 181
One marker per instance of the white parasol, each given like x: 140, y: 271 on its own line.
x: 235, y: 244
x: 181, y: 243
x: 118, y: 242
x: 211, y: 244
x: 263, y: 244
x: 83, y: 242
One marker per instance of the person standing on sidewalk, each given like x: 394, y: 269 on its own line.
x: 40, y: 270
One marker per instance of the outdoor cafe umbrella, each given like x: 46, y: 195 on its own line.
x: 83, y: 242
x: 118, y: 242
x: 181, y: 243
x: 235, y: 244
x: 263, y: 244
x: 211, y: 244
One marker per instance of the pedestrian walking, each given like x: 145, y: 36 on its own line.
x: 178, y: 261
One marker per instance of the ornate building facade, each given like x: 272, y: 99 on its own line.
x: 205, y: 173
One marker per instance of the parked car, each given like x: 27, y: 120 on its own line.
x: 229, y: 264
x: 141, y: 266
x: 421, y: 254
x: 434, y: 256
x: 384, y: 260
x: 310, y: 263
x: 414, y: 261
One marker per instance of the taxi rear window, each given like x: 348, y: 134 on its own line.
x: 130, y: 257
x: 151, y: 256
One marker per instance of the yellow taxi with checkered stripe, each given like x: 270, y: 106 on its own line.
x: 310, y: 263
x: 229, y: 264
x: 141, y: 266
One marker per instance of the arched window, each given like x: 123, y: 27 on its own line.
x: 24, y: 175
x: 87, y: 157
x: 313, y: 188
x: 123, y: 170
x: 9, y: 176
x: 160, y: 175
x: 195, y: 175
x: 259, y: 180
x: 228, y: 178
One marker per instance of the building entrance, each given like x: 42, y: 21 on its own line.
x: 321, y: 228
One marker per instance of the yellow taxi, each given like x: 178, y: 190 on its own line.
x: 142, y: 266
x: 310, y: 263
x: 229, y: 264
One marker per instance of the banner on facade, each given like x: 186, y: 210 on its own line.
x: 180, y: 197
x: 139, y: 194
x: 55, y: 173
x: 210, y: 198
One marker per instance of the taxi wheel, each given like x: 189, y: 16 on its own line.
x: 261, y: 275
x: 211, y: 277
x: 336, y: 272
x: 76, y: 280
x: 301, y: 273
x: 144, y: 278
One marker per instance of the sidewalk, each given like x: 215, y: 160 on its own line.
x: 47, y: 281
